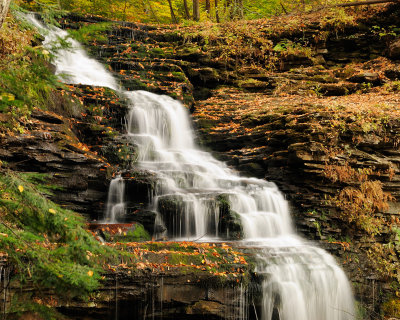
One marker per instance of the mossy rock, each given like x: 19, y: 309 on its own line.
x: 145, y: 217
x: 230, y: 225
x: 253, y: 84
x: 135, y: 233
x: 133, y: 84
x: 120, y: 152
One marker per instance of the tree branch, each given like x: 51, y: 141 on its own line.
x: 362, y: 3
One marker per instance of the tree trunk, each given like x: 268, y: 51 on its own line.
x: 4, y: 4
x: 216, y: 11
x: 239, y: 9
x: 208, y: 7
x: 153, y: 12
x: 363, y: 3
x: 173, y: 18
x: 196, y: 10
x: 185, y: 6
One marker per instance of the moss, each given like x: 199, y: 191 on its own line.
x: 178, y: 258
x: 119, y: 153
x: 138, y: 233
x: 157, y: 52
x: 391, y: 308
x: 46, y: 243
x: 134, y: 84
x: 251, y: 83
x: 25, y: 82
x: 230, y: 224
x: 92, y: 33
x: 179, y: 76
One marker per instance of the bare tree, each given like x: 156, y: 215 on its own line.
x: 239, y: 9
x: 196, y: 10
x: 185, y: 6
x: 173, y: 17
x: 208, y: 6
x: 4, y: 5
x: 216, y: 11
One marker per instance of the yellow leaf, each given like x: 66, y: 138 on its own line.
x: 51, y: 210
x: 20, y: 188
x: 90, y: 273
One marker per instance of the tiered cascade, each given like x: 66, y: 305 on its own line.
x: 301, y: 281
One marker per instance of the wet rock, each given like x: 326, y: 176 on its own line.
x: 145, y: 217
x: 207, y: 308
x: 366, y: 77
x: 394, y: 49
x: 230, y: 226
x: 393, y: 74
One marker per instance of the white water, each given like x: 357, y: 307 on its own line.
x: 72, y: 63
x: 301, y: 282
x: 115, y: 208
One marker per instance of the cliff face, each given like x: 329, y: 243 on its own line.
x: 312, y: 106
x: 316, y: 112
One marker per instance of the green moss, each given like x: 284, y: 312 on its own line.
x: 134, y: 84
x: 230, y: 224
x: 157, y: 52
x: 47, y: 244
x: 138, y: 233
x: 26, y: 83
x: 92, y: 33
x: 120, y: 154
x: 179, y: 258
x: 391, y: 308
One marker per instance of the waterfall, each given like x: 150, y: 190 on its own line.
x: 300, y: 281
x: 115, y: 208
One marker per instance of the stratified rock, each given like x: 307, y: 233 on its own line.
x: 366, y: 77
x: 207, y: 308
x: 394, y: 49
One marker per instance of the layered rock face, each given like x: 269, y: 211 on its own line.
x: 304, y: 119
x: 307, y: 123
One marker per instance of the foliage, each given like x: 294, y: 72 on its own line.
x: 91, y: 33
x: 26, y: 81
x: 337, y: 19
x: 134, y: 234
x: 359, y: 205
x: 158, y: 11
x: 391, y: 308
x: 235, y: 44
x: 47, y: 244
x: 346, y: 173
x: 389, y: 32
x: 287, y: 47
x: 220, y: 260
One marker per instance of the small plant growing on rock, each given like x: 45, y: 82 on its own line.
x: 337, y: 20
x: 359, y: 205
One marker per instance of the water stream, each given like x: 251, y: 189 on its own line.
x: 301, y: 281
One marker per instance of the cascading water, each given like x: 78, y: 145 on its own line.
x: 72, y: 63
x: 301, y: 282
x: 115, y: 208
